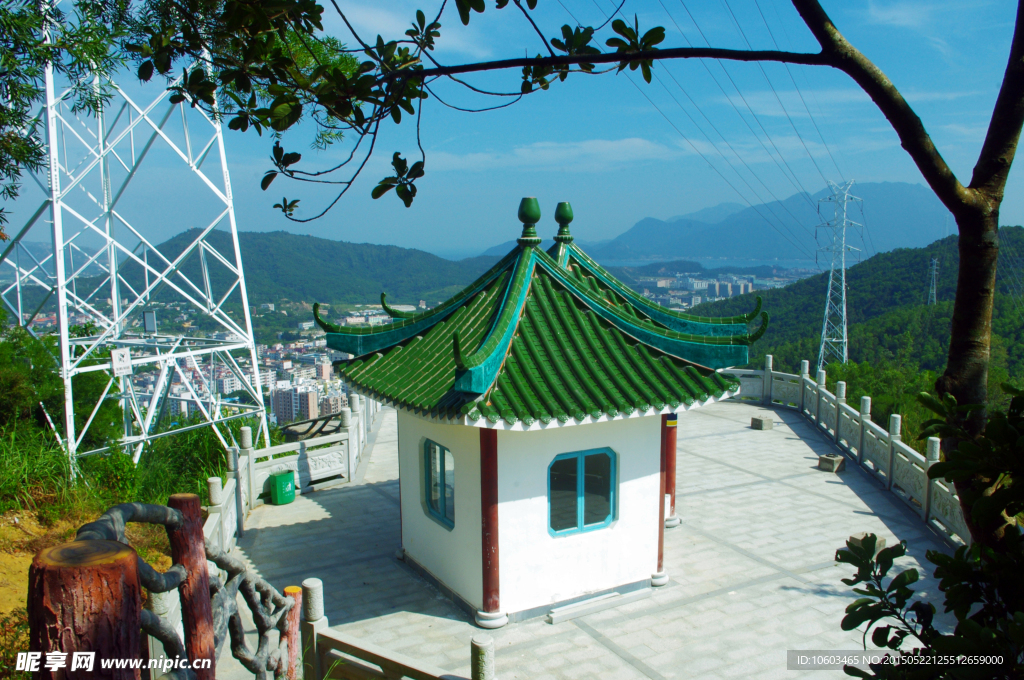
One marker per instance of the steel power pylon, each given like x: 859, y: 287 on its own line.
x: 89, y: 257
x: 833, y: 328
x: 933, y: 280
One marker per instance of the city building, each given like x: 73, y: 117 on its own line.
x: 296, y: 403
x: 544, y: 403
x: 330, y: 405
x: 268, y: 306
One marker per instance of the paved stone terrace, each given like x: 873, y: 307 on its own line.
x: 751, y: 566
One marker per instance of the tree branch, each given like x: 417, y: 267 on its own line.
x: 840, y: 54
x: 818, y: 59
x: 1007, y: 118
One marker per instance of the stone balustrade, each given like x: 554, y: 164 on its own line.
x: 879, y: 450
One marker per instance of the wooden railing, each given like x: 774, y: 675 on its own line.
x: 880, y: 451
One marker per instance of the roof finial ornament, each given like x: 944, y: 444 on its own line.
x: 563, y: 215
x: 529, y: 215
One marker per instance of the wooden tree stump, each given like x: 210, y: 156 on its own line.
x: 188, y: 548
x: 85, y: 597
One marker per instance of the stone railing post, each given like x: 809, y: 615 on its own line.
x: 250, y: 454
x: 345, y: 422
x: 766, y: 381
x: 895, y: 422
x: 931, y: 458
x: 481, y: 658
x: 865, y: 418
x: 239, y: 505
x: 817, y: 406
x: 313, y: 621
x: 805, y: 372
x: 215, y: 489
x: 840, y: 400
x: 355, y: 403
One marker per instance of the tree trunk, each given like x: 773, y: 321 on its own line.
x: 85, y: 597
x: 966, y: 374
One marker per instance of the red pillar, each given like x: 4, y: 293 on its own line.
x: 660, y: 578
x: 489, y: 527
x: 668, y: 444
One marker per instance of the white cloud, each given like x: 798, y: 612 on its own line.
x: 904, y: 13
x: 594, y: 155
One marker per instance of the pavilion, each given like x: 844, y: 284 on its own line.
x: 490, y: 386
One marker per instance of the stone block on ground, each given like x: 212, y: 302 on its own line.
x: 761, y: 423
x: 858, y: 541
x: 831, y: 462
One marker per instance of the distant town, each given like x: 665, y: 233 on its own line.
x: 296, y: 372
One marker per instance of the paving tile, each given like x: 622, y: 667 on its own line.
x: 751, y: 565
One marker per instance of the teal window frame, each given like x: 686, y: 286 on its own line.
x: 439, y: 513
x: 580, y: 457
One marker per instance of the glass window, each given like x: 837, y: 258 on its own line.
x: 581, y: 492
x: 440, y: 480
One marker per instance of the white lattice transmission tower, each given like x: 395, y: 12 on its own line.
x: 832, y: 243
x: 134, y: 212
x: 933, y: 281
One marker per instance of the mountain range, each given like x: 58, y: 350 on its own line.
x: 894, y: 215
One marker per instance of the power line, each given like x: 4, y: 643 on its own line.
x: 764, y: 73
x: 667, y: 70
x: 807, y: 83
x: 704, y: 158
x: 738, y: 157
x: 799, y: 93
x: 792, y: 176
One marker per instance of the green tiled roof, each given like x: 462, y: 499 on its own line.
x: 542, y: 337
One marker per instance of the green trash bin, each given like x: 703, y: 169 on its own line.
x: 282, y: 488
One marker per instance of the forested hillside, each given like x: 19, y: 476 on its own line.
x: 279, y: 266
x: 886, y: 309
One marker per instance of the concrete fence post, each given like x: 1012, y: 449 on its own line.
x: 313, y: 621
x: 250, y: 456
x: 840, y: 400
x: 818, y: 389
x: 805, y: 371
x: 355, y: 403
x: 481, y: 659
x: 345, y: 423
x: 865, y: 418
x: 239, y: 505
x: 215, y: 489
x: 931, y: 457
x: 895, y: 422
x: 766, y: 381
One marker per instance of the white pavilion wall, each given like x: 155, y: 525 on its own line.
x: 537, y: 568
x: 453, y: 556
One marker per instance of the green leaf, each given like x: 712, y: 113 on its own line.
x: 903, y: 579
x: 405, y: 193
x: 880, y: 636
x: 381, y: 189
x: 267, y: 179
x: 146, y: 70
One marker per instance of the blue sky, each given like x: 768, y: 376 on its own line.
x: 598, y: 142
